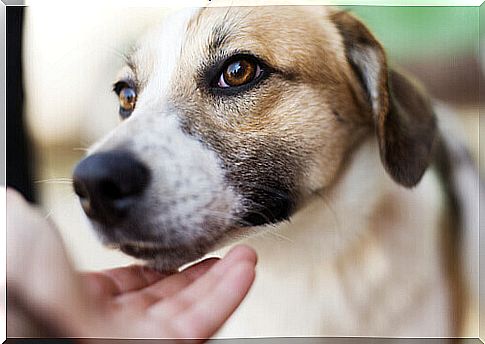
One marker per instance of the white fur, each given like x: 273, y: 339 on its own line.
x: 471, y: 195
x: 187, y: 183
x: 159, y: 53
x: 368, y: 61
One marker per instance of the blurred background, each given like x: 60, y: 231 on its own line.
x: 71, y: 55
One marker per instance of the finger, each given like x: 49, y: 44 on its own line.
x: 195, y: 271
x: 120, y: 280
x: 174, y: 283
x: 237, y: 254
x: 141, y: 299
x: 99, y: 285
x: 205, y: 283
x: 208, y: 314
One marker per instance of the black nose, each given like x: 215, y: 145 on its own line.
x: 109, y: 184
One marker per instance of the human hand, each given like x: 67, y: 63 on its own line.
x: 129, y: 302
x: 194, y: 303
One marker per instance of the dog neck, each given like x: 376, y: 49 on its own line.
x: 362, y: 246
x: 363, y: 201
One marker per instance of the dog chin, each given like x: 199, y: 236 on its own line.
x: 169, y: 264
x: 163, y: 259
x: 168, y: 257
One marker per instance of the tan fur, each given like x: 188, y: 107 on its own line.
x: 317, y: 78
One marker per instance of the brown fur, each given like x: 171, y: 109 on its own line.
x: 314, y: 76
x: 404, y: 118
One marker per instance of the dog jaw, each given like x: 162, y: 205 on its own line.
x: 187, y: 206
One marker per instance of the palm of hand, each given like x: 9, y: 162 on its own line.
x: 139, y: 302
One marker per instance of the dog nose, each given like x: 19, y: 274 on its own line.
x: 108, y: 184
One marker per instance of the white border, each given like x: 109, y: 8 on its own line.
x: 153, y: 3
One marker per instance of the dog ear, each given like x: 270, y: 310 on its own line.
x: 403, y: 117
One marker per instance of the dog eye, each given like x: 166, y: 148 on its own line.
x: 239, y: 72
x: 127, y: 98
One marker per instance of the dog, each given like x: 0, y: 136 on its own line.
x: 284, y: 127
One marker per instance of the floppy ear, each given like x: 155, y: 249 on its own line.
x: 403, y: 117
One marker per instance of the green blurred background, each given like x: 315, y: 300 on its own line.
x: 411, y: 33
x: 439, y: 45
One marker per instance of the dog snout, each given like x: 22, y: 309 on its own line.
x: 109, y: 184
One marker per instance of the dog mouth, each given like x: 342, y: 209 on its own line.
x: 162, y: 258
x: 139, y: 249
x: 142, y: 251
x: 169, y: 256
x: 150, y: 251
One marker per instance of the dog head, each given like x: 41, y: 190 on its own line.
x: 234, y: 117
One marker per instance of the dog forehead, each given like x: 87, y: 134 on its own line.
x: 282, y: 35
x: 288, y: 37
x: 157, y: 53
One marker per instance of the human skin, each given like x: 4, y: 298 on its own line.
x: 126, y: 302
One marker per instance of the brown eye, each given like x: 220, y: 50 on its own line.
x: 238, y: 73
x: 127, y: 97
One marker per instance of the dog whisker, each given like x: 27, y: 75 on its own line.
x: 218, y: 215
x: 119, y: 53
x: 62, y: 199
x: 328, y: 205
x: 54, y: 181
x: 269, y: 189
x: 279, y: 235
x: 255, y: 212
x: 82, y: 149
